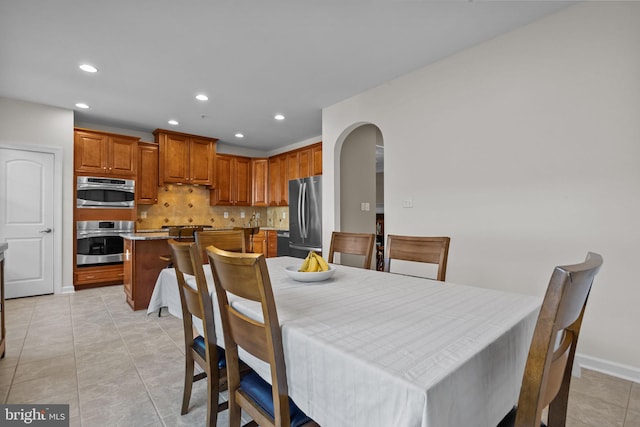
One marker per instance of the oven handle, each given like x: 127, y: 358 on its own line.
x: 102, y: 233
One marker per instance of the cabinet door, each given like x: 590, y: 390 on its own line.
x: 90, y: 152
x: 147, y: 183
x: 174, y: 158
x: 123, y: 155
x: 260, y: 243
x: 284, y: 181
x: 316, y: 159
x: 272, y: 244
x: 305, y: 161
x: 201, y: 161
x: 242, y: 181
x: 273, y: 195
x: 293, y: 165
x: 222, y: 195
x: 260, y: 180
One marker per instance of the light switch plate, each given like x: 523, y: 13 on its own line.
x: 241, y: 214
x: 226, y: 215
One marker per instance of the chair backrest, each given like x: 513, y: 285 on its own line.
x: 228, y: 240
x: 354, y: 244
x: 547, y: 372
x: 246, y: 276
x: 431, y: 250
x: 187, y: 259
x: 184, y: 233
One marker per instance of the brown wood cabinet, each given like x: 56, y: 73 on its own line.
x: 316, y: 159
x: 266, y: 242
x: 233, y: 181
x: 91, y: 277
x: 142, y: 265
x: 105, y: 154
x: 294, y: 164
x: 185, y: 159
x: 147, y: 182
x: 260, y: 181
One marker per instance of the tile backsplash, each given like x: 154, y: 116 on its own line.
x: 189, y: 205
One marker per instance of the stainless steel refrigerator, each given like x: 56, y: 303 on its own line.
x: 305, y: 216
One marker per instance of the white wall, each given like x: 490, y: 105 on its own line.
x: 526, y: 151
x: 24, y: 123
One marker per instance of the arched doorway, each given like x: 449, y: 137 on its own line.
x: 362, y: 184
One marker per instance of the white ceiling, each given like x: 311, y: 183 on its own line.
x: 252, y: 58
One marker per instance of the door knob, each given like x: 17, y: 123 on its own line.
x: 46, y: 230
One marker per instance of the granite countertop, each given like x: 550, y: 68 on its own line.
x: 164, y: 234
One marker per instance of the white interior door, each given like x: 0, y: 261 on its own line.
x: 26, y: 221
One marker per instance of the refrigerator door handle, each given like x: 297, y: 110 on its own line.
x: 305, y: 231
x: 300, y: 212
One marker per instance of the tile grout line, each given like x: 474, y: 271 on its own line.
x: 144, y: 384
x: 75, y: 360
x: 15, y: 369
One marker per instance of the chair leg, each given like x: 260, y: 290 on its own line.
x: 234, y: 412
x: 188, y: 384
x: 212, y: 401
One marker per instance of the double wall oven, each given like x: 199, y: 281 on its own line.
x: 98, y: 241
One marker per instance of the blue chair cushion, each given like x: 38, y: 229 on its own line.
x: 260, y: 391
x: 199, y: 347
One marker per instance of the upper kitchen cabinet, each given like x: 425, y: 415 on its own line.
x: 147, y: 182
x: 185, y: 159
x: 278, y: 182
x: 260, y: 182
x: 316, y: 159
x: 105, y: 154
x: 233, y: 181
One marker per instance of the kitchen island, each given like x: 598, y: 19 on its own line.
x: 146, y: 253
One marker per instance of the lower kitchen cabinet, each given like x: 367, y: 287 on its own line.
x: 90, y: 277
x: 266, y: 242
x: 142, y: 265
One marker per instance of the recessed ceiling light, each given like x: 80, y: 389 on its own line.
x: 202, y: 97
x: 278, y: 117
x: 173, y: 122
x: 82, y: 105
x: 88, y: 68
x: 239, y: 135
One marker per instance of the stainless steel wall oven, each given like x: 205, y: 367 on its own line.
x: 96, y: 192
x: 99, y: 242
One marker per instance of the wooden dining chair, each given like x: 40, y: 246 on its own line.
x: 228, y: 240
x: 246, y: 275
x: 431, y: 250
x: 200, y: 349
x: 353, y: 244
x: 547, y: 373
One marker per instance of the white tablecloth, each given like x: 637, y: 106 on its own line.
x: 367, y: 348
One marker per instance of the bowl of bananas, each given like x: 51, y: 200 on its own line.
x: 313, y: 269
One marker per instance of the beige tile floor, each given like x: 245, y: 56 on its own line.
x: 116, y: 367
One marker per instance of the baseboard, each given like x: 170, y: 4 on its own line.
x: 67, y: 290
x: 608, y: 367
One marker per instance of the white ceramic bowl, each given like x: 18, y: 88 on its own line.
x: 303, y: 276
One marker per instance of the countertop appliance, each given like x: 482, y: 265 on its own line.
x: 305, y: 216
x: 97, y: 192
x: 99, y: 242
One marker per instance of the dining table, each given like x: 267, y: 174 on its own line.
x: 371, y: 348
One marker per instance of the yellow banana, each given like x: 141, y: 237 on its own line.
x: 313, y: 264
x: 321, y: 262
x: 305, y: 263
